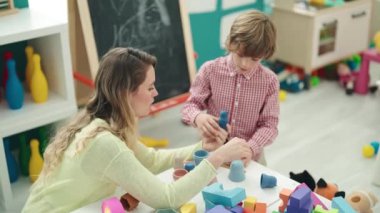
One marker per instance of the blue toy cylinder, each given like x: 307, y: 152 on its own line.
x: 14, y: 92
x: 223, y: 119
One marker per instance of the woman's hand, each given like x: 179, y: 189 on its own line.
x: 212, y: 143
x: 235, y: 149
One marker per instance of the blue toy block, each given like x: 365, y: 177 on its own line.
x: 300, y: 197
x: 223, y: 119
x: 342, y: 205
x: 218, y: 209
x: 217, y: 195
x: 306, y: 208
x: 237, y: 209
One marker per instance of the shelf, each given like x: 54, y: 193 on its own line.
x: 32, y: 115
x: 25, y: 25
x: 44, y: 27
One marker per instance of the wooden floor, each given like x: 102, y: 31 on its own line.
x: 321, y: 130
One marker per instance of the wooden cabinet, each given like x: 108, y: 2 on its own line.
x: 49, y: 37
x: 313, y: 39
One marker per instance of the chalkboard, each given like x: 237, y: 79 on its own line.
x: 159, y: 27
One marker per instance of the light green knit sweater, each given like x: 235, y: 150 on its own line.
x: 106, y: 163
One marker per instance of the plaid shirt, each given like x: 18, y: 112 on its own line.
x: 251, y: 99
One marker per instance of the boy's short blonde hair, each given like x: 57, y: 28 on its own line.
x: 252, y: 34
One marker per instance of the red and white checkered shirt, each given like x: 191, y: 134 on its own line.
x: 251, y: 99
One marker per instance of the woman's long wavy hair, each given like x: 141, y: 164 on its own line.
x: 120, y: 73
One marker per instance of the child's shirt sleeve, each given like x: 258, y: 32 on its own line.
x: 113, y: 162
x: 266, y: 129
x: 200, y: 92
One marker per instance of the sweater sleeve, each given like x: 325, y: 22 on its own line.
x: 111, y: 160
x: 160, y: 160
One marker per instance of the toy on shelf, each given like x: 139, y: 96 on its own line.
x: 362, y: 201
x: 29, y: 66
x: 327, y: 3
x: 24, y: 154
x: 7, y: 56
x: 13, y: 171
x: 36, y: 162
x: 14, y: 92
x: 38, y: 83
x: 151, y: 142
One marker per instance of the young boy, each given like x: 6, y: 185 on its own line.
x: 239, y: 84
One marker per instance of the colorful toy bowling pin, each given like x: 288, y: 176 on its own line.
x: 7, y: 56
x: 43, y: 136
x: 29, y: 65
x: 24, y: 154
x: 38, y: 82
x: 11, y: 161
x: 36, y: 162
x: 14, y: 92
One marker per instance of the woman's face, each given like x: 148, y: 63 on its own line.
x: 143, y: 97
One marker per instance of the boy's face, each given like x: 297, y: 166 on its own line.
x: 244, y: 63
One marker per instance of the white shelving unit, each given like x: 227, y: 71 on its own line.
x: 48, y: 34
x: 299, y: 33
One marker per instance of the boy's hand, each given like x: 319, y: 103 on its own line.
x: 208, y: 125
x: 212, y: 143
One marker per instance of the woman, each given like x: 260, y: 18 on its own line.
x: 99, y: 151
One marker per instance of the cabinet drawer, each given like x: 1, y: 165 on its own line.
x: 354, y: 29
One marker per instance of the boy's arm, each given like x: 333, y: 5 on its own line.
x: 200, y: 92
x: 266, y: 128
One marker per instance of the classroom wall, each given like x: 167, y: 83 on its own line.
x: 375, y: 24
x: 211, y: 20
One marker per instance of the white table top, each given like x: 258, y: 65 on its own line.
x: 251, y: 184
